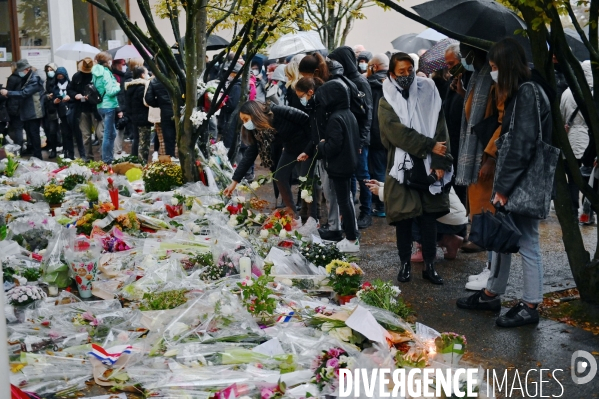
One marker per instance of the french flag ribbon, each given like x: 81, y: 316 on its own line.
x: 285, y: 318
x: 107, y: 358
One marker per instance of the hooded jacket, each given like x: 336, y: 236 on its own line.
x: 13, y: 83
x: 77, y: 86
x: 120, y: 77
x: 51, y: 111
x: 347, y: 58
x: 134, y: 102
x: 62, y: 107
x: 376, y: 85
x: 31, y: 96
x: 525, y: 132
x: 107, y: 86
x: 578, y: 134
x: 341, y: 144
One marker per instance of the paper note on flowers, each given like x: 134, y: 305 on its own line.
x: 362, y: 321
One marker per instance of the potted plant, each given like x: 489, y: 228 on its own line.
x: 345, y: 279
x: 21, y: 296
x: 450, y: 347
x: 162, y: 176
x: 91, y: 193
x: 54, y: 195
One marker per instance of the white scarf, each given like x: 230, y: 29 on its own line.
x: 419, y: 112
x: 62, y: 87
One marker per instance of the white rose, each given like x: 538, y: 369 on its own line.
x: 304, y: 194
x: 283, y: 233
x: 240, y: 199
x: 263, y: 233
x: 302, y: 178
x: 258, y: 218
x: 174, y: 201
x: 243, y: 234
x: 309, y: 199
x: 287, y: 282
x: 249, y: 282
x: 255, y: 185
x: 196, y: 229
x: 233, y: 222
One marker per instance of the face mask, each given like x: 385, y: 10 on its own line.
x: 230, y: 78
x: 468, y: 67
x: 405, y: 81
x: 363, y: 67
x: 124, y: 69
x: 304, y: 100
x: 249, y: 125
x: 22, y: 74
x: 255, y: 72
x: 51, y: 74
x: 495, y: 75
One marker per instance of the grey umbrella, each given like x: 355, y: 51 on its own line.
x: 409, y: 43
x: 483, y: 19
x: 575, y: 42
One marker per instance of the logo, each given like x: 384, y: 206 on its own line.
x: 581, y: 367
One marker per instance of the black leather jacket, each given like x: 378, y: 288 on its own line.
x: 524, y: 135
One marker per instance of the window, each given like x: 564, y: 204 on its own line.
x: 6, y: 37
x: 95, y: 27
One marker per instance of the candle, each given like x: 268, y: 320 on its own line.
x: 245, y: 268
x: 52, y: 290
x: 4, y: 369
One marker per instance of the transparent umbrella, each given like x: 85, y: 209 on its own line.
x: 76, y: 51
x: 295, y: 43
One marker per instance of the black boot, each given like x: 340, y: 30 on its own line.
x: 52, y: 154
x: 430, y: 274
x: 405, y: 272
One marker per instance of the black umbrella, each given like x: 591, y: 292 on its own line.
x: 496, y: 233
x: 579, y: 50
x: 409, y: 43
x: 482, y: 19
x: 216, y: 43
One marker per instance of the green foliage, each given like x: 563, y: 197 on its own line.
x: 258, y: 297
x: 384, y: 295
x: 163, y: 300
x: 162, y: 176
x: 321, y: 254
x: 11, y: 166
x: 31, y: 273
x: 91, y: 192
x: 71, y: 181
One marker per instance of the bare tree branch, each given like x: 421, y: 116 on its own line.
x: 593, y: 53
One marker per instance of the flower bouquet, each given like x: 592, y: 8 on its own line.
x: 321, y: 254
x: 85, y: 223
x: 17, y: 194
x: 384, y: 295
x: 76, y: 174
x: 326, y: 369
x: 257, y: 297
x: 162, y: 176
x: 25, y: 295
x: 450, y: 347
x: 176, y: 206
x: 127, y: 222
x: 345, y: 278
x: 91, y: 193
x: 114, y: 193
x: 279, y: 223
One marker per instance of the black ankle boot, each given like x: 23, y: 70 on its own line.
x: 405, y: 272
x: 430, y: 274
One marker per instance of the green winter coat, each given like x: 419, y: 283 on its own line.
x: 106, y: 85
x: 402, y: 202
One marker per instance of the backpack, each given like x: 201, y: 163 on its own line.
x: 357, y: 99
x: 93, y: 95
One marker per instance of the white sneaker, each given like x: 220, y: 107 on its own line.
x: 348, y: 247
x: 477, y: 285
x: 484, y: 275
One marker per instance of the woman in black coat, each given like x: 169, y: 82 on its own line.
x: 261, y: 126
x: 339, y: 146
x: 13, y: 104
x: 138, y: 111
x: 157, y: 96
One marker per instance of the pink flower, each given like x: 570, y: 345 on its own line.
x: 95, y: 322
x: 334, y: 352
x: 266, y: 393
x: 54, y: 334
x: 334, y: 362
x: 88, y: 316
x: 90, y: 267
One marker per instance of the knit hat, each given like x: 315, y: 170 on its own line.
x: 86, y: 65
x: 22, y: 65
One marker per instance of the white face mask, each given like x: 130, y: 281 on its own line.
x: 304, y: 100
x: 249, y: 125
x: 468, y: 67
x: 363, y: 67
x: 50, y: 74
x: 124, y: 68
x: 495, y: 75
x: 255, y: 72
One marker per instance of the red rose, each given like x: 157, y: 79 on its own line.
x: 366, y: 285
x: 287, y: 227
x: 26, y: 197
x: 286, y: 244
x: 110, y: 181
x: 277, y: 215
x: 268, y: 226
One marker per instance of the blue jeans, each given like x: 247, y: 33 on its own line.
x: 108, y: 116
x: 361, y: 175
x: 532, y: 263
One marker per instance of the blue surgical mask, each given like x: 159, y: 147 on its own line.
x: 468, y: 67
x: 21, y: 74
x: 249, y: 125
x: 495, y: 75
x: 51, y: 74
x: 304, y: 100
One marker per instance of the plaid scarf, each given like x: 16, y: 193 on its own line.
x: 471, y: 149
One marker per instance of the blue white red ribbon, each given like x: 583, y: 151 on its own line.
x: 110, y: 358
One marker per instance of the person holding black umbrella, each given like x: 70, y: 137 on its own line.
x: 527, y: 99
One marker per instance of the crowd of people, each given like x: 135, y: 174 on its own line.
x: 367, y: 130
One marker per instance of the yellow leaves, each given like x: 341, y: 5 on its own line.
x: 16, y: 367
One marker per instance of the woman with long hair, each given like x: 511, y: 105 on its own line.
x: 527, y: 99
x: 262, y: 124
x: 109, y: 88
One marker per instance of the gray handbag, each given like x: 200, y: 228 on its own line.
x: 532, y: 193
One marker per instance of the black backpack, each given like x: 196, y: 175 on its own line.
x: 93, y: 95
x: 357, y: 102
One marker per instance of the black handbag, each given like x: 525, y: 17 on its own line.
x: 417, y: 177
x: 497, y: 233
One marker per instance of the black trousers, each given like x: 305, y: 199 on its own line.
x: 346, y: 206
x: 428, y: 230
x: 169, y: 134
x: 67, y: 138
x: 32, y: 127
x: 51, y: 129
